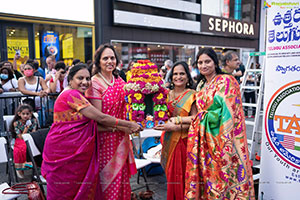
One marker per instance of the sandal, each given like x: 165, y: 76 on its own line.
x: 146, y: 195
x: 28, y: 165
x: 20, y: 175
x: 22, y: 169
x: 133, y: 196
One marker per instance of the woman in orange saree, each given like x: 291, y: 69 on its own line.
x: 181, y: 104
x: 218, y: 165
x: 107, y: 95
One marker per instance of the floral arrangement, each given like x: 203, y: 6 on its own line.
x: 145, y: 80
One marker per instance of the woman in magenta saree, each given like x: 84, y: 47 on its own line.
x: 71, y: 153
x: 79, y: 134
x: 115, y: 149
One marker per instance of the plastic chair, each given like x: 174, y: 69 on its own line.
x: 5, y: 159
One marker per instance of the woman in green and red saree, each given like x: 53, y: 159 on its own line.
x: 218, y: 165
x: 108, y: 96
x: 181, y: 104
x: 71, y: 153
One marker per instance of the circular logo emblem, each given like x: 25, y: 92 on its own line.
x: 282, y: 123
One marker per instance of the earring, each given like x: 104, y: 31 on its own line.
x: 188, y: 84
x: 172, y: 85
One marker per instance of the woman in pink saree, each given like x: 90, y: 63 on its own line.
x: 115, y: 148
x: 71, y: 155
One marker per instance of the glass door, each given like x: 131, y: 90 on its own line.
x: 17, y: 39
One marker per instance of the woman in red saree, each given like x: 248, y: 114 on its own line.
x: 218, y: 165
x: 108, y: 96
x: 181, y: 104
x: 71, y: 158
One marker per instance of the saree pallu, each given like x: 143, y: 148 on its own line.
x: 71, y: 158
x: 117, y: 163
x: 218, y: 165
x: 173, y: 157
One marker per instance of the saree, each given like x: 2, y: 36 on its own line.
x: 173, y: 156
x: 218, y: 165
x: 71, y: 158
x: 115, y: 149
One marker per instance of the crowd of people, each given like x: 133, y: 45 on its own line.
x: 88, y: 152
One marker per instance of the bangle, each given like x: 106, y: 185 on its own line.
x: 117, y: 121
x: 180, y: 120
x: 177, y: 120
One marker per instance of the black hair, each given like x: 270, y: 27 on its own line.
x: 35, y: 64
x: 98, y: 55
x: 75, y: 61
x: 60, y: 65
x: 187, y: 71
x: 30, y: 64
x: 17, y: 117
x: 10, y: 73
x: 212, y: 54
x: 73, y: 71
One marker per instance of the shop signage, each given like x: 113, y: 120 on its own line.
x: 228, y: 27
x: 280, y: 158
x: 15, y: 44
x: 50, y: 44
x: 67, y: 46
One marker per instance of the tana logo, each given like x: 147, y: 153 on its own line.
x: 266, y: 5
x: 282, y: 123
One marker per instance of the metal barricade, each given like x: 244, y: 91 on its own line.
x: 9, y: 102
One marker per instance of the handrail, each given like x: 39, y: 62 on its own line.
x: 9, y: 101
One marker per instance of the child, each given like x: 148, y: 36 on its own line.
x: 23, y: 122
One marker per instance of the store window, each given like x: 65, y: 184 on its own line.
x: 234, y: 9
x: 17, y: 42
x: 157, y: 53
x: 65, y: 42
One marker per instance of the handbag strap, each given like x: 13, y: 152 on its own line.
x: 37, y: 84
x: 21, y: 188
x: 12, y: 84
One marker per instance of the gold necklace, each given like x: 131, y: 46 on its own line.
x: 106, y: 81
x: 176, y: 101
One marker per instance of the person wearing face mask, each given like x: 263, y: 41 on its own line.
x: 8, y: 82
x: 16, y: 73
x: 33, y: 86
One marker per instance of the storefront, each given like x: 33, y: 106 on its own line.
x: 160, y: 30
x: 52, y: 31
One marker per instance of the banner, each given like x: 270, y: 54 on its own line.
x: 280, y: 158
x: 14, y: 44
x: 67, y: 46
x: 50, y: 44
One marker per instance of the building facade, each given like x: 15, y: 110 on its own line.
x: 36, y: 29
x: 176, y: 29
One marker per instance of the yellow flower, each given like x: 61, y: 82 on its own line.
x: 160, y: 96
x: 161, y: 114
x: 138, y: 96
x: 129, y: 99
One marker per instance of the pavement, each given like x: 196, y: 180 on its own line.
x: 157, y: 183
